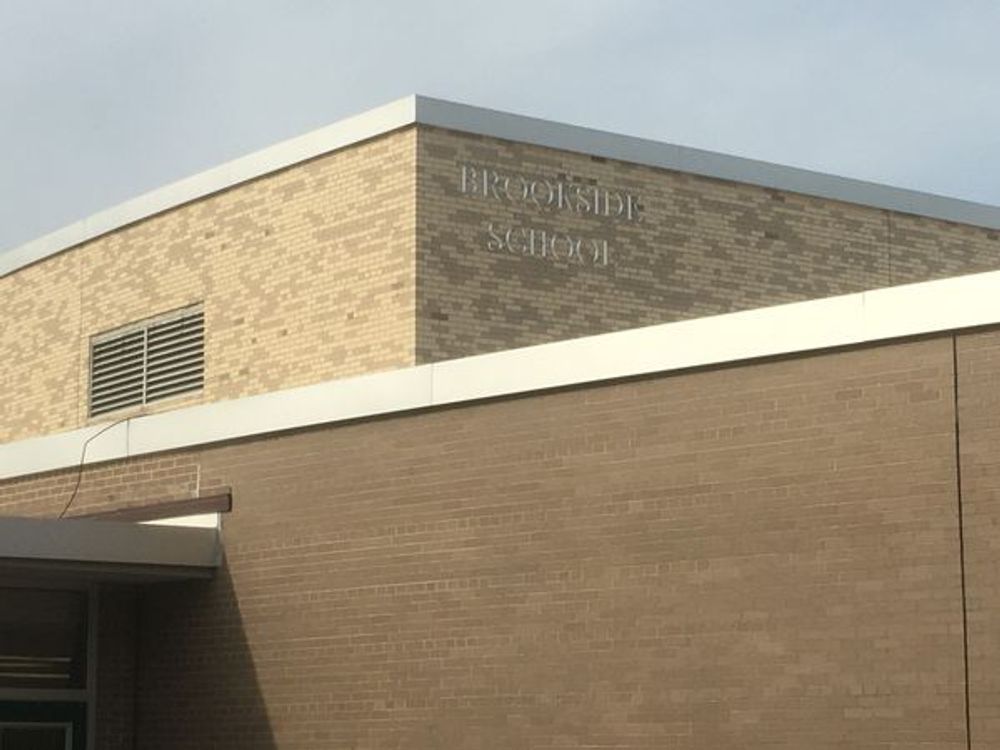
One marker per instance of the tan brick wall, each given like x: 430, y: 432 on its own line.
x: 305, y: 275
x: 758, y: 556
x: 314, y: 272
x: 703, y: 247
x: 979, y: 399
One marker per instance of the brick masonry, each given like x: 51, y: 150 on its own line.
x: 758, y: 556
x: 979, y: 396
x: 305, y: 275
x: 370, y: 258
x: 703, y: 247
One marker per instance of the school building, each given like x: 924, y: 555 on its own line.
x: 443, y: 428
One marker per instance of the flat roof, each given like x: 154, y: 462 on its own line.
x: 460, y: 117
x: 930, y: 307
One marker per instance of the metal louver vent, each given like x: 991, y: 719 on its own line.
x: 161, y: 359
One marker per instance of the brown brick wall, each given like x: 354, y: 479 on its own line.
x: 109, y: 486
x: 979, y: 399
x: 306, y: 274
x: 759, y: 556
x: 703, y: 247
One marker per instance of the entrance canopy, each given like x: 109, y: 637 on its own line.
x: 107, y: 550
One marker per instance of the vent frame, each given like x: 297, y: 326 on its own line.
x: 146, y: 361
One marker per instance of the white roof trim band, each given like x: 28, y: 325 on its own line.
x: 882, y: 314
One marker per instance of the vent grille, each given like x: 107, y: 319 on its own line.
x: 160, y: 359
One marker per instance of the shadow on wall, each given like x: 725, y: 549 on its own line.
x: 197, y: 684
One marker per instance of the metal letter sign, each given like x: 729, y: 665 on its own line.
x: 554, y: 196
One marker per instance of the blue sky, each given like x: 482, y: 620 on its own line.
x: 105, y: 99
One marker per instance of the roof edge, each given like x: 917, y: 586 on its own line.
x: 496, y: 124
x: 647, y: 152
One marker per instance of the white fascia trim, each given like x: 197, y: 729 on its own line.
x: 506, y: 126
x: 196, y: 521
x: 883, y: 314
x: 108, y: 543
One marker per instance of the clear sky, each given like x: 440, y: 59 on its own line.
x: 101, y: 100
